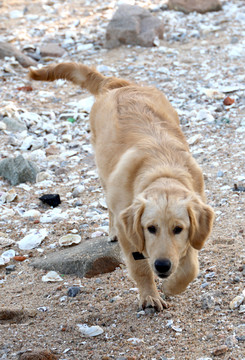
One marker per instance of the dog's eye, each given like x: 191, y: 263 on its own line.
x: 177, y: 230
x: 152, y: 229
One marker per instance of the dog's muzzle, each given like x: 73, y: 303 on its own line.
x: 163, y: 268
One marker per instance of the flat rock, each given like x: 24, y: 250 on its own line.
x: 18, y: 170
x: 52, y: 50
x: 14, y: 125
x: 9, y: 50
x: 133, y: 25
x: 88, y: 259
x: 199, y: 6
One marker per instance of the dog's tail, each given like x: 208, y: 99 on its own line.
x: 88, y: 78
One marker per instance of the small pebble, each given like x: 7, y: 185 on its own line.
x: 220, y: 350
x: 73, y: 291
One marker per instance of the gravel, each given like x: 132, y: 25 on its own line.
x: 197, y: 65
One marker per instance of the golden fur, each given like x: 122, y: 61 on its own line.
x: 154, y: 188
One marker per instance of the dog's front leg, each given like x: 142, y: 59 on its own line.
x: 141, y: 273
x: 185, y: 273
x: 112, y: 228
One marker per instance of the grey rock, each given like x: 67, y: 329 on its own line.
x: 88, y: 259
x: 10, y: 268
x: 199, y: 6
x: 73, y: 291
x: 14, y: 125
x: 52, y: 50
x: 9, y: 50
x: 133, y: 25
x: 220, y: 173
x: 18, y: 170
x: 207, y: 301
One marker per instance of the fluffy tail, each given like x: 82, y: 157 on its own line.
x: 79, y: 74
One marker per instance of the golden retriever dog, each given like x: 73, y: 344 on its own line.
x: 153, y: 186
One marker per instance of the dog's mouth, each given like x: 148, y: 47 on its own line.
x: 163, y: 276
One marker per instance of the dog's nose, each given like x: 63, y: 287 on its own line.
x: 162, y: 267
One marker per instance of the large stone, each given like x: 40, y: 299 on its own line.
x: 200, y: 6
x: 52, y: 50
x: 14, y: 125
x: 9, y: 50
x: 133, y: 25
x: 88, y: 259
x: 18, y: 170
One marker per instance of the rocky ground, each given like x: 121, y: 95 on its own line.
x: 198, y: 64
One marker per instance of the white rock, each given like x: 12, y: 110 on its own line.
x: 195, y: 139
x: 90, y: 330
x: 30, y: 117
x: 3, y: 126
x: 242, y: 309
x: 16, y: 14
x: 177, y: 328
x: 7, y: 214
x: 135, y: 341
x: 102, y: 203
x: 96, y: 234
x: 52, y: 276
x: 43, y: 175
x: 205, y: 115
x: 37, y: 156
x: 52, y: 216
x: 31, y: 214
x: 32, y: 239
x: 236, y: 302
x: 31, y: 143
x: 69, y: 239
x: 84, y: 47
x: 84, y: 104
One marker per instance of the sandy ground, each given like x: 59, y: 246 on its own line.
x: 200, y: 320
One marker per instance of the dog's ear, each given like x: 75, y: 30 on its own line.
x: 131, y: 220
x: 201, y: 222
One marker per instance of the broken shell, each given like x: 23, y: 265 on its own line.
x: 236, y: 302
x: 10, y: 196
x: 8, y: 254
x: 3, y: 126
x: 90, y: 330
x: 69, y: 239
x: 214, y: 94
x: 43, y: 175
x: 32, y: 239
x: 31, y: 214
x: 51, y: 276
x: 4, y: 260
x: 5, y: 242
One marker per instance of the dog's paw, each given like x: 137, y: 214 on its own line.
x: 113, y: 238
x: 155, y: 302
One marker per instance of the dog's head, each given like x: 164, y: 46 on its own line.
x: 163, y: 224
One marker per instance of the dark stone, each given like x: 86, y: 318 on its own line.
x: 73, y: 291
x: 51, y: 199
